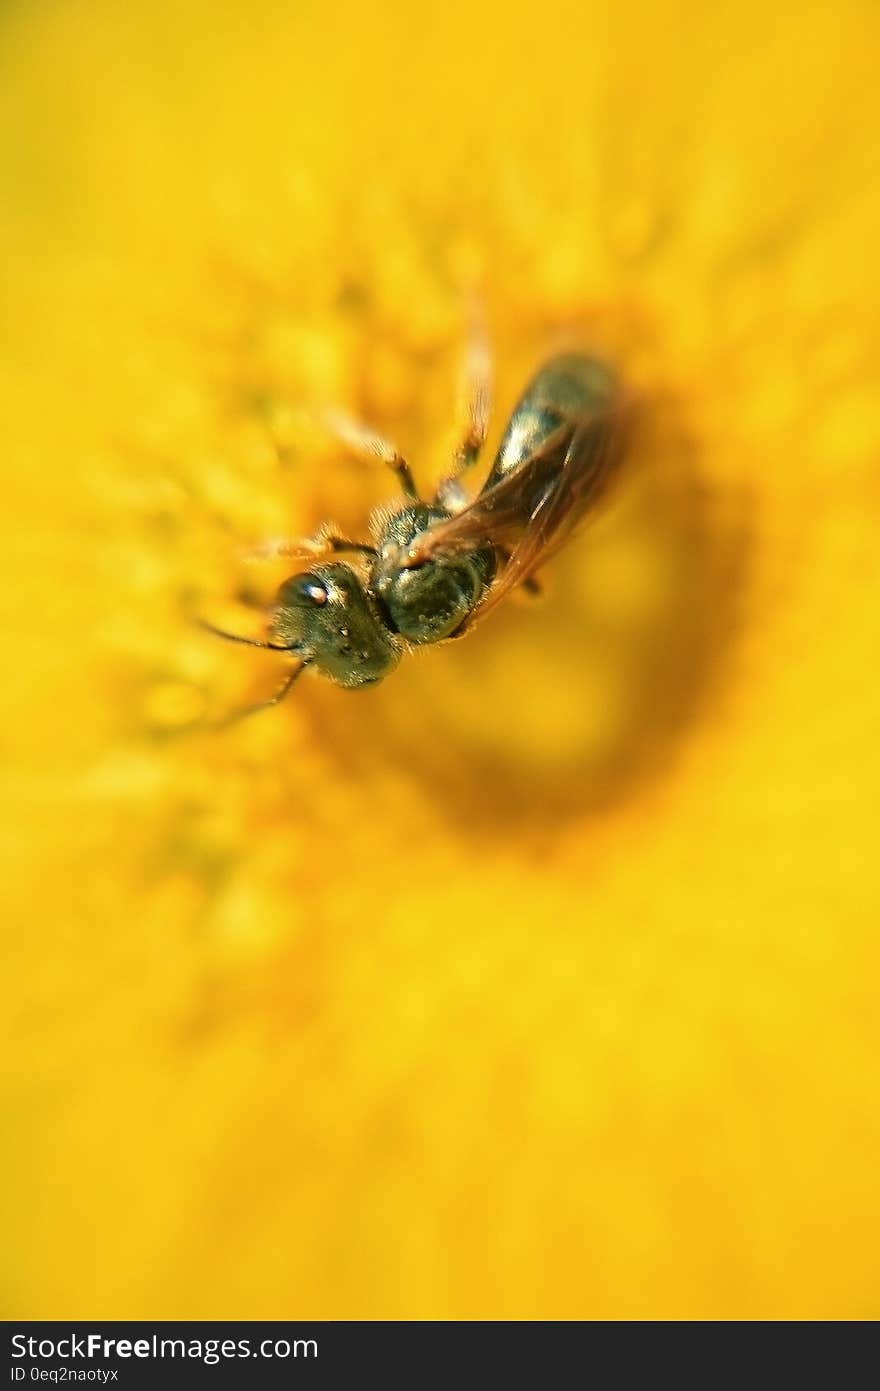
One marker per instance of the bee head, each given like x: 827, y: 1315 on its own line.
x: 325, y: 614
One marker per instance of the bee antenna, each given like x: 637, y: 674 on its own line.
x: 246, y: 642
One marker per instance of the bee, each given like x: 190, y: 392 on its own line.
x: 436, y: 568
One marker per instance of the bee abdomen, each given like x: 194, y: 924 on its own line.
x: 566, y: 390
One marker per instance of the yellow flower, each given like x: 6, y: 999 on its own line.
x: 539, y: 981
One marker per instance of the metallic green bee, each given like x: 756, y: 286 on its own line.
x: 435, y: 568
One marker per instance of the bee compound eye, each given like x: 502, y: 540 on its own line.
x: 308, y: 589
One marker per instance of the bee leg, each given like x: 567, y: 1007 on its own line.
x: 475, y: 391
x: 338, y: 544
x: 275, y: 699
x: 366, y: 444
x: 318, y: 547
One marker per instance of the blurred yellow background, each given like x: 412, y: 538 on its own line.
x: 540, y: 981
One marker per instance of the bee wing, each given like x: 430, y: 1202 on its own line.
x: 500, y: 512
x: 532, y: 511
